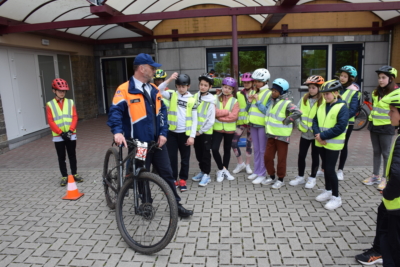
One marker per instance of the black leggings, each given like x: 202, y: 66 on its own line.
x: 303, y: 150
x: 216, y: 142
x: 343, y: 154
x: 70, y: 147
x: 329, y: 159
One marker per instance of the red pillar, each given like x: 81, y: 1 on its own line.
x: 235, y: 53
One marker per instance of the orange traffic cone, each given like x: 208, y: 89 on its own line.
x: 72, y: 190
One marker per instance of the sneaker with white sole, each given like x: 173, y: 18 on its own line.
x: 268, y: 181
x: 339, y: 174
x: 220, y: 176
x: 298, y: 180
x: 248, y: 169
x: 311, y: 182
x: 239, y: 168
x: 205, y: 180
x: 320, y: 173
x: 228, y: 175
x: 197, y: 178
x: 253, y: 176
x: 333, y: 203
x: 324, y: 196
x: 278, y: 184
x: 374, y: 179
x: 382, y: 184
x: 258, y: 180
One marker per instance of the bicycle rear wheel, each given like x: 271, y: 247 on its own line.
x: 111, y: 174
x: 149, y: 225
x: 361, y: 119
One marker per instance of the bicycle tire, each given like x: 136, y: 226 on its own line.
x: 111, y: 185
x: 360, y: 120
x: 154, y: 229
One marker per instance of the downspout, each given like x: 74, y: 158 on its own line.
x: 155, y: 42
x: 390, y: 47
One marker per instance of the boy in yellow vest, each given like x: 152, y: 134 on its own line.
x: 182, y: 120
x: 62, y: 118
x: 279, y: 119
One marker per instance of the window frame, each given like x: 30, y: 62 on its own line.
x: 314, y: 47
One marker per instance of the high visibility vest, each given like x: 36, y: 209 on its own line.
x: 226, y: 126
x: 243, y: 116
x: 308, y: 114
x: 173, y: 113
x: 347, y: 96
x: 379, y: 113
x: 395, y: 203
x: 167, y: 101
x: 328, y: 121
x: 255, y: 116
x: 63, y: 118
x: 274, y: 120
x: 202, y: 111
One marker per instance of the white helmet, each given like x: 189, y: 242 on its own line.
x: 261, y: 75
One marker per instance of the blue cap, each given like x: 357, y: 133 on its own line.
x: 143, y: 59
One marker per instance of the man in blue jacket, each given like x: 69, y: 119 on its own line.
x: 137, y: 112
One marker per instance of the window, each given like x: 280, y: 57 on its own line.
x: 314, y: 61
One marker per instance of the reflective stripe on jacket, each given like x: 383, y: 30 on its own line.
x: 347, y: 96
x: 173, y: 113
x: 62, y: 118
x: 255, y: 116
x: 307, y: 115
x: 243, y: 115
x: 391, y: 205
x: 226, y: 126
x: 274, y: 120
x: 379, y: 114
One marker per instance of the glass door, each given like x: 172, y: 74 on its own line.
x: 114, y: 74
x: 348, y: 54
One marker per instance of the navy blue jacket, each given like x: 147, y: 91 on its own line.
x: 120, y: 122
x: 354, y: 102
x: 339, y: 128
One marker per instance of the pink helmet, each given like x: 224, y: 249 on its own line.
x: 246, y: 77
x: 229, y: 81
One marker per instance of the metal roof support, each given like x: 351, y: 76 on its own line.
x: 391, y: 22
x: 314, y: 8
x: 272, y: 19
x: 235, y: 49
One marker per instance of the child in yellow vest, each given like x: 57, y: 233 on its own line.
x: 279, y: 119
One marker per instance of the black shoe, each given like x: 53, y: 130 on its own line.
x: 184, y: 213
x: 63, y: 181
x: 78, y: 178
x: 369, y: 257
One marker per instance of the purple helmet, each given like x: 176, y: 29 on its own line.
x: 246, y: 77
x: 229, y: 81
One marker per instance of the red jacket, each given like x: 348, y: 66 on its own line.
x: 54, y: 126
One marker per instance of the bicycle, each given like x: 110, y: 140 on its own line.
x: 361, y: 117
x: 146, y: 208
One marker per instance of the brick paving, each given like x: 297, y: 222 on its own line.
x: 236, y: 223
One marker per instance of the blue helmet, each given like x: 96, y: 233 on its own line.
x: 281, y: 85
x: 349, y: 70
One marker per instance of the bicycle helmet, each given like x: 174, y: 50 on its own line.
x: 261, y: 75
x: 229, y: 81
x: 206, y: 77
x: 60, y: 84
x: 392, y: 99
x: 160, y: 74
x: 349, y: 70
x: 281, y: 85
x: 315, y: 79
x: 183, y: 79
x: 246, y: 77
x: 331, y: 86
x: 388, y: 70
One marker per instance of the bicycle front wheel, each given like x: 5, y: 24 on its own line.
x: 361, y: 119
x: 111, y: 174
x: 146, y: 213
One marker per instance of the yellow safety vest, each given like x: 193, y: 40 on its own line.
x: 167, y: 101
x: 202, y: 111
x: 328, y: 121
x: 395, y: 203
x: 255, y: 116
x: 243, y: 116
x: 347, y: 96
x: 274, y: 120
x: 226, y: 126
x: 379, y: 114
x: 173, y: 113
x: 307, y: 115
x: 63, y: 118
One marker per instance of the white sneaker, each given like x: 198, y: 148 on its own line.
x: 298, y: 180
x: 228, y: 175
x: 324, y: 196
x: 258, y: 180
x: 311, y: 182
x: 248, y: 169
x: 339, y: 174
x: 253, y: 176
x: 239, y: 168
x: 278, y: 184
x: 220, y: 176
x: 320, y: 173
x: 267, y: 181
x: 333, y: 203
